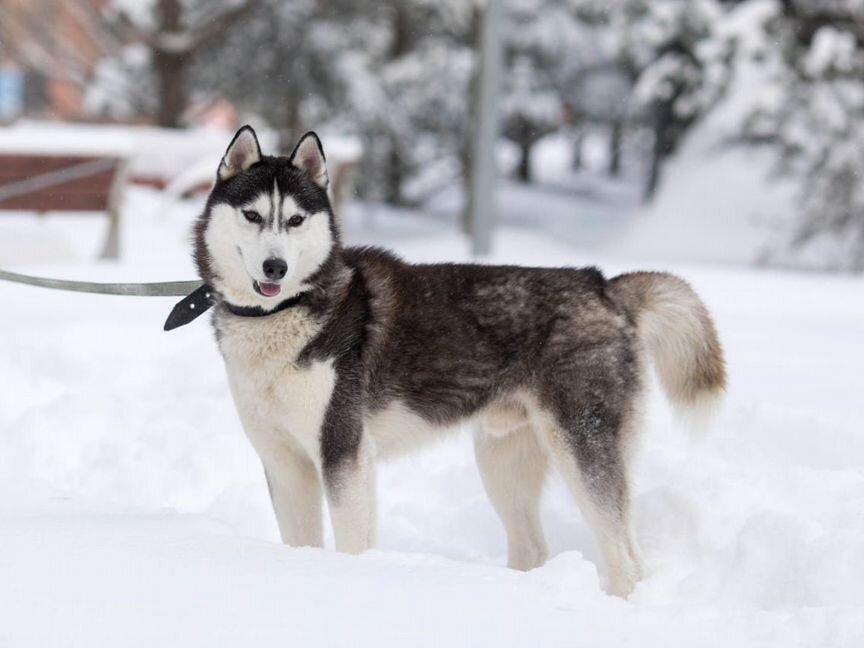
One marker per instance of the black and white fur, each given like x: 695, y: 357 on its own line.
x: 379, y: 356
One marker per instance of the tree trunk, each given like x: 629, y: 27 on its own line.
x: 291, y: 127
x: 171, y: 72
x: 653, y: 172
x: 615, y: 137
x: 467, y: 213
x: 663, y: 121
x: 170, y: 68
x: 173, y: 47
x: 402, y: 30
x: 523, y: 171
x: 465, y: 152
x: 577, y: 162
x: 395, y: 175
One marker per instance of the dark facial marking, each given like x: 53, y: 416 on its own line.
x: 275, y: 207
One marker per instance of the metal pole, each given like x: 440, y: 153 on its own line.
x: 484, y: 173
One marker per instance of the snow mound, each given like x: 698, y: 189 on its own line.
x: 133, y: 512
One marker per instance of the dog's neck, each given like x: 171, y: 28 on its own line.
x: 329, y: 285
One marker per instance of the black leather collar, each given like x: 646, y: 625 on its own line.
x: 201, y: 300
x: 257, y: 311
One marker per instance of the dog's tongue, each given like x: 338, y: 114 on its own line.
x: 269, y: 289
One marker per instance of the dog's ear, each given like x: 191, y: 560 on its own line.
x: 242, y: 153
x: 308, y: 156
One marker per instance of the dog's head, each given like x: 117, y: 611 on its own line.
x: 268, y: 227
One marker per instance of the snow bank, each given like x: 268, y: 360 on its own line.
x: 134, y: 513
x: 718, y: 201
x: 154, y: 153
x: 715, y: 204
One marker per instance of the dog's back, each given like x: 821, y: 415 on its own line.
x: 449, y: 338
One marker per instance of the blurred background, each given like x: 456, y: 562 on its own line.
x: 723, y: 131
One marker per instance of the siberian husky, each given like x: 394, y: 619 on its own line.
x: 337, y: 356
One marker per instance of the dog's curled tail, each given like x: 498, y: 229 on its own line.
x: 678, y: 333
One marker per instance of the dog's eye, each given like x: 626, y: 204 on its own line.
x: 252, y: 216
x: 295, y: 220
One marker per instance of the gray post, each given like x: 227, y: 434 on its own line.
x: 483, y: 172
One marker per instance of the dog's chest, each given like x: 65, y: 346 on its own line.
x: 280, y: 401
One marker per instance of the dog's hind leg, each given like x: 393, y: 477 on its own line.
x: 513, y: 467
x: 599, y: 486
x: 295, y: 490
x: 587, y: 437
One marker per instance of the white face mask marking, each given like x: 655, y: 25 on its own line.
x: 239, y: 248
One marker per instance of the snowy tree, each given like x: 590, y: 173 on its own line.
x: 396, y: 74
x: 595, y: 81
x: 538, y: 45
x: 295, y: 80
x: 812, y: 112
x: 680, y: 63
x: 406, y: 94
x: 173, y: 33
x: 610, y: 62
x: 123, y: 85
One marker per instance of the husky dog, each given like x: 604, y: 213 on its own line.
x: 337, y: 356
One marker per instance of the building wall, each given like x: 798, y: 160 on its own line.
x: 55, y: 44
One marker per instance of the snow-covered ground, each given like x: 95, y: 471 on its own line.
x: 134, y: 513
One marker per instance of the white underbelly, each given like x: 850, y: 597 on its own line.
x: 397, y: 430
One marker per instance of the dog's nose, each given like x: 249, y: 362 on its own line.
x: 275, y: 268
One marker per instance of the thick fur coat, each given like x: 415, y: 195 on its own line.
x: 378, y: 356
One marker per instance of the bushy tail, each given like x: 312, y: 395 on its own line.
x: 678, y: 333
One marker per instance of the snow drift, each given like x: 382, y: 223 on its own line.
x: 134, y: 513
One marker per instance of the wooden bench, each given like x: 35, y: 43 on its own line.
x: 37, y: 182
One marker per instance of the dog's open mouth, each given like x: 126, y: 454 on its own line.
x: 267, y: 289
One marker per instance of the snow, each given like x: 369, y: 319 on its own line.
x: 153, y: 152
x: 770, y: 173
x: 59, y: 139
x: 133, y: 512
x: 716, y: 201
x: 709, y: 211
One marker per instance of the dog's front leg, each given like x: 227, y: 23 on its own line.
x: 295, y: 491
x: 349, y: 484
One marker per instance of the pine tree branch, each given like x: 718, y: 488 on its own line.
x: 219, y: 25
x: 182, y: 41
x: 810, y: 21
